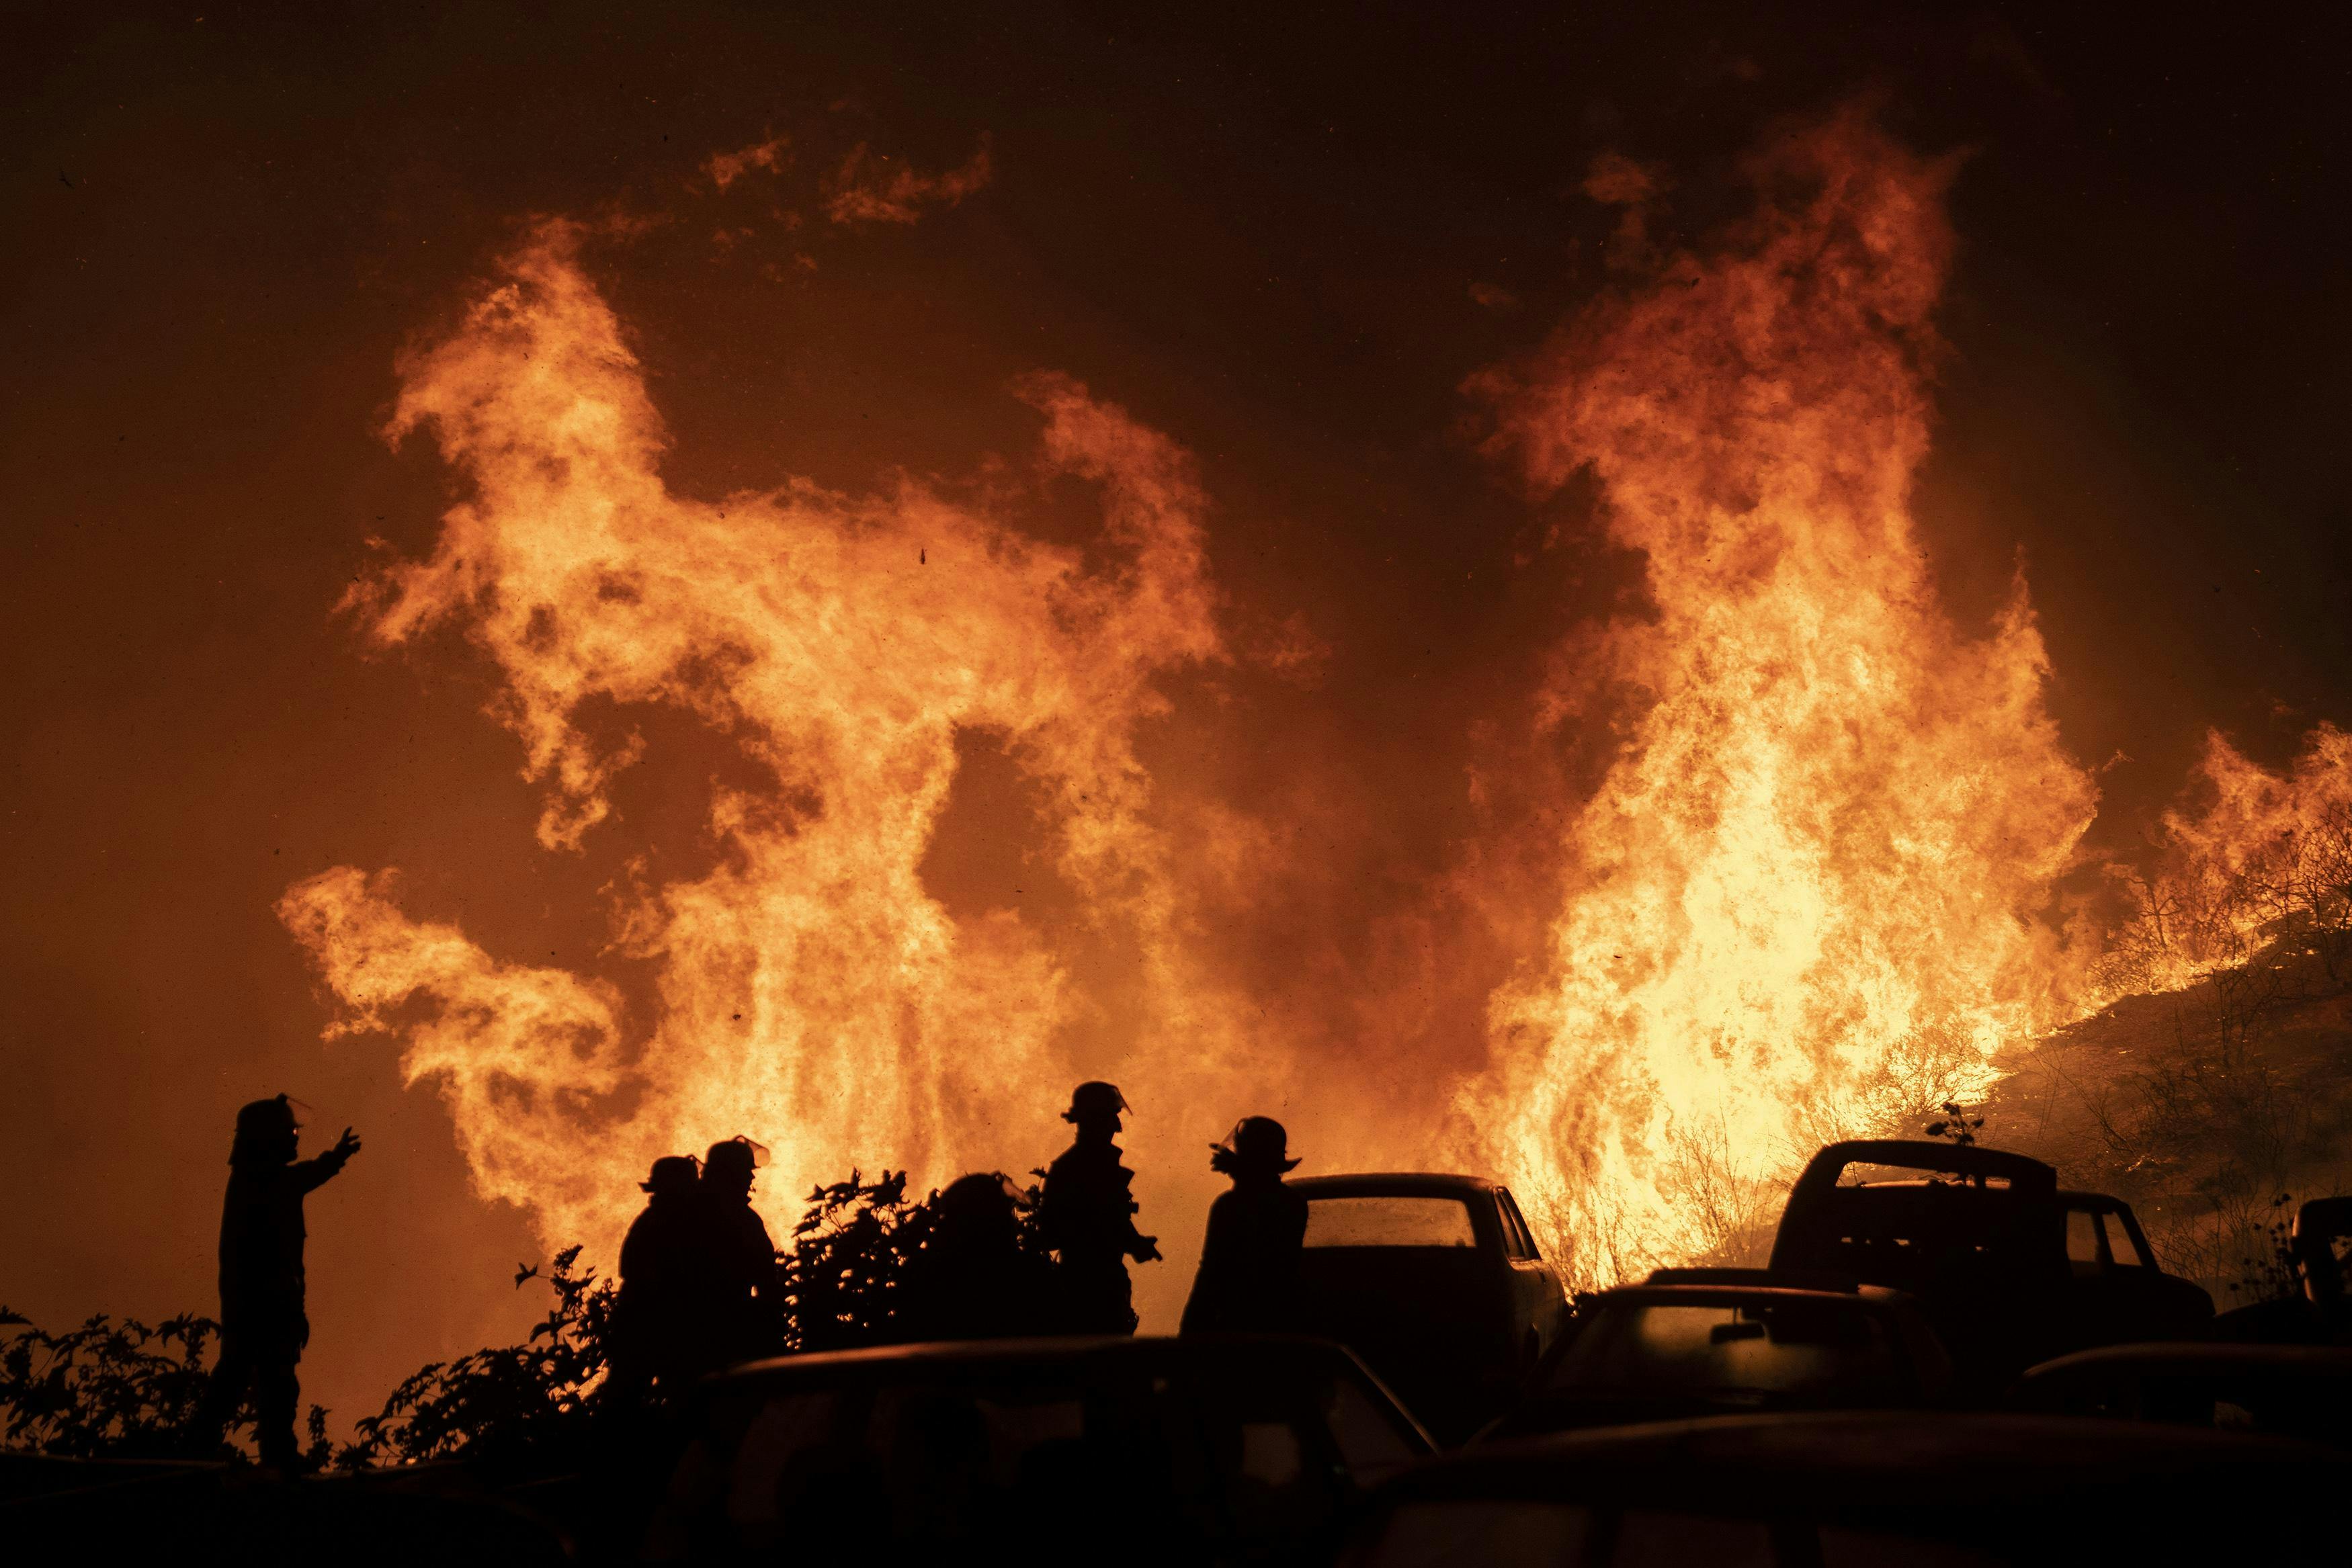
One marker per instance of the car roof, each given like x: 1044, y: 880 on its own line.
x: 1833, y: 1463
x: 2198, y: 1358
x: 1391, y: 1184
x: 1704, y: 1295
x: 2104, y: 1203
x: 1919, y: 1154
x: 1094, y: 1349
x: 1793, y: 1279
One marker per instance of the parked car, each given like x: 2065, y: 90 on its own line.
x: 1653, y: 1352
x: 1436, y: 1281
x: 1166, y: 1450
x: 1860, y: 1489
x: 2295, y: 1391
x: 2011, y: 1269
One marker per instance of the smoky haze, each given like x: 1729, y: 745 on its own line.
x: 1282, y: 246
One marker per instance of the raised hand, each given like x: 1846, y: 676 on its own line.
x: 347, y: 1146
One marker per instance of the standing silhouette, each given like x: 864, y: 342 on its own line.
x: 745, y: 1320
x: 662, y: 1324
x: 1248, y: 1281
x: 263, y: 1326
x: 1089, y: 1217
x: 973, y: 1279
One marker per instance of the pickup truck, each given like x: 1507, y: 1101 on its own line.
x: 1436, y: 1281
x: 2010, y: 1268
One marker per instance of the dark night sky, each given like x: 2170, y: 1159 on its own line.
x: 1260, y: 234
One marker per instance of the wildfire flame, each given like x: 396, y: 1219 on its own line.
x: 1808, y: 894
x: 813, y: 993
x: 2251, y: 856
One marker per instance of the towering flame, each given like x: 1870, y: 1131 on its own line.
x: 813, y: 993
x: 1807, y: 895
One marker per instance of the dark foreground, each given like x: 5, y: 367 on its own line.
x: 1950, y: 1360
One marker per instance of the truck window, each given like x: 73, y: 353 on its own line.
x: 2119, y: 1242
x: 1369, y: 1441
x: 1783, y: 1348
x: 1520, y: 1223
x: 1401, y: 1220
x: 2082, y: 1236
x: 1515, y: 1243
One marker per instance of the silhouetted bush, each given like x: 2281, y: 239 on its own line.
x: 109, y: 1389
x: 120, y: 1389
x: 2272, y: 1273
x: 503, y: 1404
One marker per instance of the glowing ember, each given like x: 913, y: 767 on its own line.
x: 1804, y: 900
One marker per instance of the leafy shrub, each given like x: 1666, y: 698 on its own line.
x: 112, y: 1388
x: 499, y: 1403
x: 2273, y: 1273
x: 124, y: 1389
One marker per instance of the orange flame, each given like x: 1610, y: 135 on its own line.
x: 2259, y: 855
x: 813, y: 993
x: 1807, y: 896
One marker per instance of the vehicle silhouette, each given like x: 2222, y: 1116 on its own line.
x: 1861, y: 1490
x: 1201, y: 1449
x: 2295, y: 1391
x: 1651, y: 1353
x: 1981, y: 1236
x: 1436, y: 1283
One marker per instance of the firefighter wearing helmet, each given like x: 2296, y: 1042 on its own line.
x: 1088, y: 1216
x: 263, y: 1325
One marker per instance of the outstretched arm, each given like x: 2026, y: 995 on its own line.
x: 313, y: 1174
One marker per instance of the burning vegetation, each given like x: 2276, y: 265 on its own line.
x: 1816, y: 889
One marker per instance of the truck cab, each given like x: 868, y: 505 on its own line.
x: 2012, y: 1269
x: 1437, y: 1282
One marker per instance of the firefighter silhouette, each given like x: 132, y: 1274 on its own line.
x: 1088, y: 1218
x: 746, y: 1321
x: 1248, y: 1279
x: 973, y: 1279
x: 663, y: 1325
x: 263, y: 1325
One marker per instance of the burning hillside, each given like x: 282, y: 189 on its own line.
x: 1814, y: 890
x: 1810, y: 897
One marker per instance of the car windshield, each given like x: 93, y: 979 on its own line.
x: 1778, y: 1348
x: 1388, y: 1220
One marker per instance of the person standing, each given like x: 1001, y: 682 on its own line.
x: 1088, y: 1216
x: 659, y: 1335
x: 263, y: 1325
x: 973, y: 1279
x: 745, y: 1319
x: 1248, y: 1279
